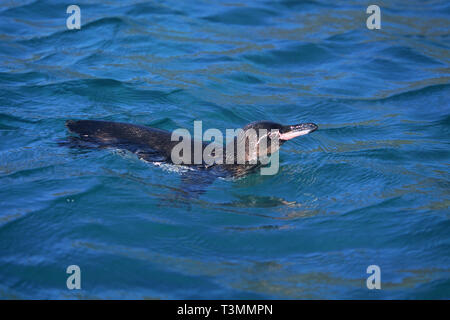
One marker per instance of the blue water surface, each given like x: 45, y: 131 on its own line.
x: 370, y: 187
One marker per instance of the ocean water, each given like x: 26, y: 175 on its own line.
x: 370, y: 187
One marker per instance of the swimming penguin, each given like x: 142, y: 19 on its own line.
x: 156, y: 145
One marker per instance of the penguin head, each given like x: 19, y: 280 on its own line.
x: 275, y: 134
x: 281, y: 132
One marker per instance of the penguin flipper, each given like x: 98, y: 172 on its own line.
x: 196, y: 182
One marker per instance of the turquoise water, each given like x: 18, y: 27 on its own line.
x: 371, y: 186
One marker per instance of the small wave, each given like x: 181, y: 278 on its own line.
x: 89, y: 33
x: 243, y: 16
x: 150, y: 9
x: 413, y: 93
x: 303, y: 54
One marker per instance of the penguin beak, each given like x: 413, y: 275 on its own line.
x: 296, y: 130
